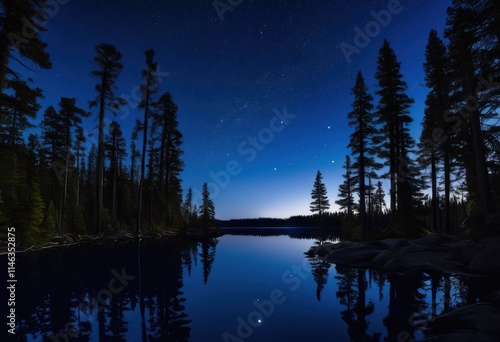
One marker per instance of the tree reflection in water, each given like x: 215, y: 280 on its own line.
x: 352, y: 285
x: 69, y: 298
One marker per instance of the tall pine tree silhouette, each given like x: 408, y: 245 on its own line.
x: 472, y: 30
x: 109, y: 67
x: 207, y: 210
x: 435, y: 140
x: 361, y: 119
x: 394, y: 139
x: 347, y: 190
x: 149, y: 87
x: 320, y: 201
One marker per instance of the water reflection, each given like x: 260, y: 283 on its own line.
x: 322, y: 234
x: 183, y: 290
x: 108, y: 293
x: 352, y: 285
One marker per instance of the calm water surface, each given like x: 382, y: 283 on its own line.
x: 236, y: 288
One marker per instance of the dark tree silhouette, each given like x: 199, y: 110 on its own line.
x: 19, y: 104
x: 320, y: 201
x: 361, y: 143
x: 71, y: 117
x: 207, y: 210
x: 170, y: 163
x: 472, y: 29
x: 109, y: 67
x: 207, y: 255
x: 347, y: 190
x: 149, y: 87
x: 319, y: 270
x: 435, y: 140
x: 19, y: 40
x: 114, y: 147
x: 80, y: 163
x: 395, y: 140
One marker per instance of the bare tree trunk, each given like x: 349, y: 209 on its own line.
x: 143, y: 163
x: 447, y: 182
x: 434, y: 201
x: 100, y: 159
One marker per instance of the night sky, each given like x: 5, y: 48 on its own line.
x: 230, y: 77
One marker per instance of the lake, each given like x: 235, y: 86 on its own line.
x: 236, y: 288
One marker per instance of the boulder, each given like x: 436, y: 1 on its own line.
x: 487, y: 260
x: 480, y: 317
x: 463, y: 336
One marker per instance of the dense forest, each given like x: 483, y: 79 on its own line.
x: 52, y: 182
x: 449, y: 177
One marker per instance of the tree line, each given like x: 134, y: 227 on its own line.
x: 51, y: 182
x: 459, y: 139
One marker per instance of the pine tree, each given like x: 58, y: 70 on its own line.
x: 148, y: 89
x: 114, y: 147
x: 347, y: 190
x: 19, y: 39
x: 473, y: 35
x: 435, y: 140
x: 320, y: 201
x: 109, y: 67
x: 134, y: 153
x: 379, y: 200
x: 54, y: 142
x: 170, y: 163
x: 31, y: 210
x: 91, y: 186
x: 20, y: 103
x: 49, y: 225
x: 71, y: 116
x: 395, y: 141
x: 207, y: 210
x: 188, y: 207
x: 361, y: 142
x: 79, y: 155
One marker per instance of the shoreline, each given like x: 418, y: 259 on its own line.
x: 435, y: 252
x: 69, y: 240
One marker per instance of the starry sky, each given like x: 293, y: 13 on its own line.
x: 263, y: 87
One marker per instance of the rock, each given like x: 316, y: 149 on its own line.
x: 352, y: 255
x: 479, y: 317
x: 493, y: 224
x: 389, y: 243
x: 463, y: 336
x: 438, y: 252
x: 413, y: 261
x: 432, y: 240
x: 311, y: 252
x: 487, y: 260
x: 397, y: 251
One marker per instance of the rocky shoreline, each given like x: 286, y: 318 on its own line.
x: 68, y: 240
x: 437, y: 252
